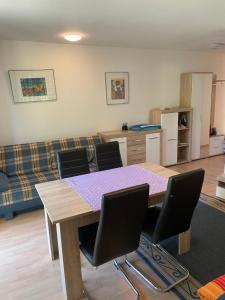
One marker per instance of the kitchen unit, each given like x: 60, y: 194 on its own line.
x: 136, y: 146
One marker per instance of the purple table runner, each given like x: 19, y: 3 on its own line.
x: 92, y: 186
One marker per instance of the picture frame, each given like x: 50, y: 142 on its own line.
x: 33, y: 85
x: 117, y: 87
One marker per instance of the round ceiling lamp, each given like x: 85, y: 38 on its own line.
x: 73, y: 37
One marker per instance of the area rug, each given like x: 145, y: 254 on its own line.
x: 206, y: 260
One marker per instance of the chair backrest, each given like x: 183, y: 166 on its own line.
x: 72, y: 162
x: 181, y: 198
x: 108, y: 156
x: 71, y: 144
x: 122, y: 217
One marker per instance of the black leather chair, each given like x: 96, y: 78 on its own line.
x: 72, y: 162
x: 108, y: 156
x: 118, y: 232
x: 173, y: 218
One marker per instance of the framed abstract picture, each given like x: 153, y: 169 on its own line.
x: 33, y: 85
x: 117, y: 87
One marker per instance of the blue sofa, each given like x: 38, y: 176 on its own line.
x: 24, y: 165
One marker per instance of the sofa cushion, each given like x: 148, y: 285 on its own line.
x: 73, y: 143
x: 24, y: 158
x: 3, y: 182
x: 21, y: 188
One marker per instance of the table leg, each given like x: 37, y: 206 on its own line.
x: 52, y: 237
x: 184, y: 242
x: 70, y: 264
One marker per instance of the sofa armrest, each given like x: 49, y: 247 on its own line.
x: 4, y: 181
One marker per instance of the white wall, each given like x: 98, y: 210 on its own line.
x: 80, y: 82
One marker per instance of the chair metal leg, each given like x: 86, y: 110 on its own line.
x: 169, y: 258
x: 86, y: 294
x: 120, y: 268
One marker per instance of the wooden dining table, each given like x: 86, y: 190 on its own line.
x: 66, y: 211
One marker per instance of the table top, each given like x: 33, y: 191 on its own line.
x: 92, y: 186
x: 64, y: 203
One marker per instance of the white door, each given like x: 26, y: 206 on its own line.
x: 206, y: 107
x: 123, y: 148
x: 153, y: 148
x: 219, y: 119
x: 201, y: 104
x: 169, y: 123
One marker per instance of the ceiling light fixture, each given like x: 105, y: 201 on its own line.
x: 73, y: 37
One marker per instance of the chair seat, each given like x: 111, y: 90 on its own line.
x: 183, y: 191
x: 150, y: 221
x: 87, y: 236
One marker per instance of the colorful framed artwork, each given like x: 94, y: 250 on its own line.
x: 117, y: 87
x: 33, y: 85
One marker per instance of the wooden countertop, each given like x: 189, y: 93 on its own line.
x: 126, y: 133
x: 173, y: 109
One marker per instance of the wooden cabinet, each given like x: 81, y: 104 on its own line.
x: 176, y: 137
x: 196, y: 92
x: 136, y: 147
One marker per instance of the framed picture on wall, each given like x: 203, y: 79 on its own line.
x: 32, y: 85
x: 117, y: 87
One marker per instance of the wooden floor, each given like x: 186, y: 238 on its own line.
x: 204, y: 151
x: 26, y: 272
x: 213, y: 166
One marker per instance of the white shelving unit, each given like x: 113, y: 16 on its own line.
x: 176, y: 138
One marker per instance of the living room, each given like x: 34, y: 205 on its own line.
x: 149, y: 43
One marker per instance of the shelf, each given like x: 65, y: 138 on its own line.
x: 182, y: 145
x: 180, y: 129
x: 182, y: 161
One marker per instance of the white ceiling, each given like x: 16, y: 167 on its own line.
x: 169, y: 24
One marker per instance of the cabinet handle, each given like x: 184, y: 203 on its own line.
x: 153, y: 138
x: 137, y: 140
x: 172, y: 139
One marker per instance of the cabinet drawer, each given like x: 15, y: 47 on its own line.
x: 137, y: 149
x: 215, y: 150
x: 136, y: 154
x: 216, y: 145
x: 216, y: 142
x: 136, y: 140
x: 135, y: 159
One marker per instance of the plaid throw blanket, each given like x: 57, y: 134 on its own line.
x: 28, y: 164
